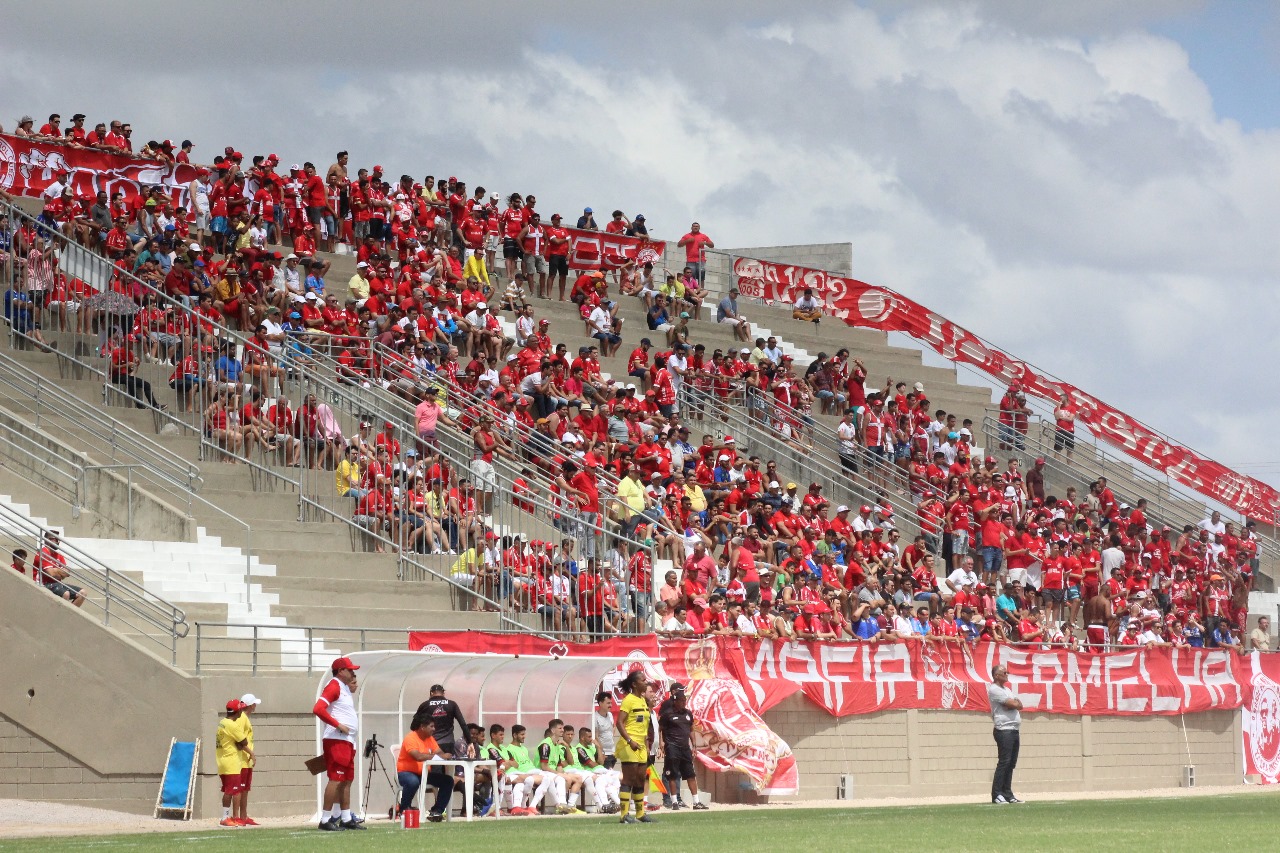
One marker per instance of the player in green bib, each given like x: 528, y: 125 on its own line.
x: 552, y: 759
x: 526, y: 777
x: 607, y: 780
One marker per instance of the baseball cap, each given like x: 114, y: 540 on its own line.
x: 235, y: 705
x: 343, y: 663
x: 864, y: 508
x: 249, y: 699
x: 841, y: 508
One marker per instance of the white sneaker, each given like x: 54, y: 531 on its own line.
x: 1000, y: 800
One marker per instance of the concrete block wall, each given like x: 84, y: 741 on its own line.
x: 33, y: 769
x: 944, y: 753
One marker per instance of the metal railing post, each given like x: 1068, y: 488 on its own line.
x: 254, y: 667
x: 106, y: 599
x: 199, y: 646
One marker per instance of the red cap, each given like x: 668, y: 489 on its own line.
x: 236, y: 155
x: 728, y: 439
x: 377, y: 170
x: 343, y: 663
x: 864, y: 508
x: 235, y: 705
x: 991, y: 459
x: 388, y: 425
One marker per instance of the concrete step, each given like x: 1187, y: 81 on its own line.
x: 428, y: 595
x: 341, y: 616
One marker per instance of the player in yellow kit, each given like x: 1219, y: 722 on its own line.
x: 632, y: 749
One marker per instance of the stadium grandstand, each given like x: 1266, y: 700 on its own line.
x: 256, y: 417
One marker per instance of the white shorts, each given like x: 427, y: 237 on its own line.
x: 486, y: 479
x: 730, y: 321
x: 491, y: 243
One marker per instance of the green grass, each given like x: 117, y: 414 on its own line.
x: 1217, y: 823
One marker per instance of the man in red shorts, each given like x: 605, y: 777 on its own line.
x: 336, y: 708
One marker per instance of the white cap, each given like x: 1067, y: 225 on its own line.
x: 631, y: 386
x: 311, y: 295
x: 919, y: 386
x: 296, y: 298
x: 361, y: 264
x: 723, y: 458
x: 291, y: 257
x: 524, y: 537
x: 195, y: 247
x: 774, y: 484
x: 250, y: 699
x: 841, y: 508
x: 480, y: 306
x: 745, y: 351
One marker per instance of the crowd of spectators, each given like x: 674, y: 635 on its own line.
x: 995, y: 556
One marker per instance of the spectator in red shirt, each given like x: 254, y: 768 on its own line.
x: 694, y: 243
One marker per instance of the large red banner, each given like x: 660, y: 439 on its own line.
x: 849, y: 677
x: 862, y: 304
x: 27, y: 168
x: 596, y: 250
x: 1260, y: 718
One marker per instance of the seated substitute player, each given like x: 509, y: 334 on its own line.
x: 632, y: 749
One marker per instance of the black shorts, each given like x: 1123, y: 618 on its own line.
x: 61, y: 589
x: 557, y: 264
x: 314, y: 215
x: 1064, y: 440
x: 678, y: 767
x: 511, y: 249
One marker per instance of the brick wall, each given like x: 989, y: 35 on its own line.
x: 281, y: 785
x: 942, y: 753
x: 32, y: 769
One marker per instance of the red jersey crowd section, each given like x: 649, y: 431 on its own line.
x: 28, y: 168
x: 868, y: 306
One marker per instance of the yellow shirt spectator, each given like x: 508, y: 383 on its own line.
x: 631, y: 493
x: 475, y: 268
x: 229, y: 757
x: 696, y: 497
x: 359, y: 286
x: 346, y: 476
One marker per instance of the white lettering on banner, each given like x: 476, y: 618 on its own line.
x: 890, y: 665
x: 801, y: 654
x: 839, y: 654
x: 1124, y: 672
x: 1211, y: 670
x: 1047, y: 669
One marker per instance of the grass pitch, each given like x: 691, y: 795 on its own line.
x: 1218, y: 823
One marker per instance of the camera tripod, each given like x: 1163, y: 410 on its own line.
x: 373, y: 755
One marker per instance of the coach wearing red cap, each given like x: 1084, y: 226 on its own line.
x: 337, y: 710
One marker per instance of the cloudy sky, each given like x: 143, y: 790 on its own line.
x: 1093, y: 190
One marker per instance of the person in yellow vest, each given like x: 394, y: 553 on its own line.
x: 229, y: 745
x: 249, y: 704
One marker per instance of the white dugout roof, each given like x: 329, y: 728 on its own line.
x: 489, y: 688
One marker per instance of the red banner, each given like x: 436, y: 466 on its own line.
x: 27, y: 168
x: 1260, y: 718
x: 596, y: 250
x: 861, y: 304
x: 847, y: 678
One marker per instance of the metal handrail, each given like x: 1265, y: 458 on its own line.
x: 318, y: 639
x: 1044, y: 408
x: 110, y: 594
x: 1038, y: 443
x: 357, y: 406
x: 49, y: 399
x: 476, y: 401
x: 815, y: 460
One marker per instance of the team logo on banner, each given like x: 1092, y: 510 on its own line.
x: 8, y: 165
x: 1262, y: 725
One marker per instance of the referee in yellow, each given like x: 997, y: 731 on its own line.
x: 248, y: 705
x: 632, y: 749
x: 231, y: 745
